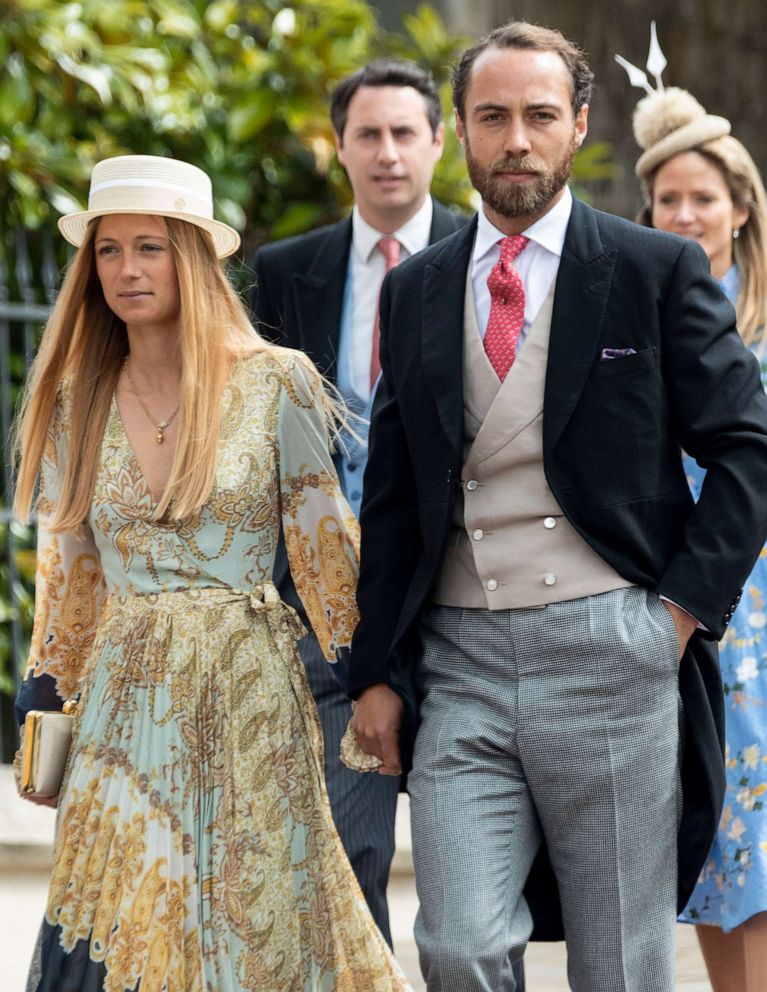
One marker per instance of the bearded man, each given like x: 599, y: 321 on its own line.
x: 539, y: 595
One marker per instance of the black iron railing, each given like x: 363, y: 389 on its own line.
x: 29, y: 276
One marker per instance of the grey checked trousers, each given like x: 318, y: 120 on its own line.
x: 561, y: 723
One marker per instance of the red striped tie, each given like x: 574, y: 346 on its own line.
x: 390, y: 249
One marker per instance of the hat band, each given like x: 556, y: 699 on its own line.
x: 123, y: 193
x: 684, y: 139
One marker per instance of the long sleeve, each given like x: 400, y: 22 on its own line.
x: 321, y: 532
x: 69, y: 592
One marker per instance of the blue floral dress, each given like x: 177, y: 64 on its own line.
x: 733, y: 884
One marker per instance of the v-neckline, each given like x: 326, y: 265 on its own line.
x: 115, y: 410
x: 134, y: 457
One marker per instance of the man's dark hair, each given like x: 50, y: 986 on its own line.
x: 521, y: 35
x: 385, y: 72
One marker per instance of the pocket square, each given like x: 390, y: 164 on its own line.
x: 610, y: 353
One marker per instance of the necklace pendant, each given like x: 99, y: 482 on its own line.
x: 160, y: 428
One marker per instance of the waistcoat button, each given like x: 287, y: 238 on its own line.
x: 549, y: 579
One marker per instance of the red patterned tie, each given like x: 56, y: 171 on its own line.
x: 390, y: 249
x: 507, y: 307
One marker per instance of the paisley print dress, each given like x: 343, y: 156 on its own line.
x: 195, y: 850
x: 733, y: 884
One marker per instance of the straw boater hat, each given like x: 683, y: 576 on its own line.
x: 667, y: 121
x: 150, y: 184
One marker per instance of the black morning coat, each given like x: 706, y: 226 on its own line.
x: 612, y: 434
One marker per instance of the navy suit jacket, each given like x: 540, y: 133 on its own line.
x: 297, y: 299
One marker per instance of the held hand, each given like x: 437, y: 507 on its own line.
x: 51, y: 801
x: 376, y: 722
x: 685, y: 624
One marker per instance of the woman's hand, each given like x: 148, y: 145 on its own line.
x: 51, y: 801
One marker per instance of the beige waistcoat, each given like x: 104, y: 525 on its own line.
x: 510, y: 544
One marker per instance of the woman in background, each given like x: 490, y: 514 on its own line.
x: 700, y: 182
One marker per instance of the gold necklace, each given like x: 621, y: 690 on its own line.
x: 161, y: 427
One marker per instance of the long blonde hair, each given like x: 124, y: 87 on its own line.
x: 746, y: 188
x: 85, y: 344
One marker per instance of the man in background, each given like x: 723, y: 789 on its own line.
x: 318, y: 292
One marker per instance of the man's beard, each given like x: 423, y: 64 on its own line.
x: 520, y: 199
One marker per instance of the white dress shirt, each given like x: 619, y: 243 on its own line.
x: 367, y: 267
x: 537, y: 264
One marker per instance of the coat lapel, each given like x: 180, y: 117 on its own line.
x: 442, y: 337
x: 318, y: 293
x: 318, y: 296
x: 580, y: 301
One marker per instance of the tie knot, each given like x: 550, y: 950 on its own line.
x: 511, y: 247
x: 390, y: 249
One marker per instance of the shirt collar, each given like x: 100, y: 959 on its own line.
x: 413, y: 235
x: 548, y: 231
x: 730, y: 283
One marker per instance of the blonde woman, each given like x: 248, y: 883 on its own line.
x: 195, y: 848
x: 701, y: 183
x: 710, y: 191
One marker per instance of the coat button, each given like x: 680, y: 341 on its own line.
x: 492, y: 585
x: 549, y: 579
x: 471, y: 485
x: 478, y: 534
x: 549, y: 523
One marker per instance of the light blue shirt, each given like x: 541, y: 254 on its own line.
x: 350, y: 464
x: 363, y: 278
x: 730, y: 284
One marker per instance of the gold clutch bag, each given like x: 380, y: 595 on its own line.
x: 45, y: 741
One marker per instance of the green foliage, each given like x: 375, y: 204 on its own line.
x: 428, y: 44
x: 593, y: 164
x: 16, y: 597
x: 239, y: 87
